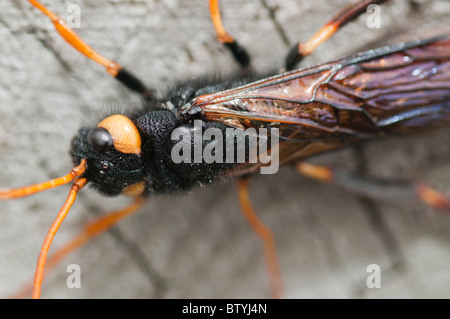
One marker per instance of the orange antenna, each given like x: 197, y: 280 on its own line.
x: 36, y: 188
x: 39, y: 274
x: 90, y: 231
x: 79, y: 183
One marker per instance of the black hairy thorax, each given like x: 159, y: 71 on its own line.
x: 111, y: 171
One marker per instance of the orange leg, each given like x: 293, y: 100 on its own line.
x: 238, y: 52
x: 432, y: 197
x: 90, y: 231
x: 347, y: 14
x: 376, y: 188
x: 112, y: 67
x: 265, y: 235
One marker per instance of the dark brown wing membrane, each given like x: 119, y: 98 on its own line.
x: 396, y: 89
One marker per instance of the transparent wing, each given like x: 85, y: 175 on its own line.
x: 396, y: 89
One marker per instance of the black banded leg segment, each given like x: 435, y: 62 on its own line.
x: 112, y: 67
x: 347, y: 14
x: 378, y: 189
x: 239, y: 53
x: 133, y: 83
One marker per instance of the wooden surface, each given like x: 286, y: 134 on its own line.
x: 198, y: 245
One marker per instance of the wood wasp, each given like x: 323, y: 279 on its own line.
x: 63, y: 124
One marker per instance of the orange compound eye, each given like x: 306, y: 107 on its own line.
x: 123, y: 132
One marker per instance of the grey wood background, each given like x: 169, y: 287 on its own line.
x: 198, y: 245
